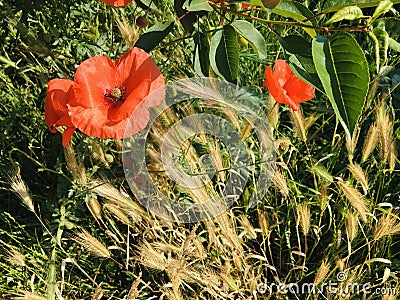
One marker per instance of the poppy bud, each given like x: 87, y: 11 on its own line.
x: 141, y: 22
x: 270, y: 3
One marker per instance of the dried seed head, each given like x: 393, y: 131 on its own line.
x: 355, y: 198
x: 94, y: 207
x: 90, y: 243
x: 352, y: 226
x: 25, y: 295
x: 360, y: 176
x: 322, y: 272
x: 279, y: 180
x: 19, y: 187
x: 129, y: 32
x: 387, y: 225
x: 74, y: 165
x: 370, y: 142
x: 304, y: 217
x: 14, y: 257
x: 299, y: 123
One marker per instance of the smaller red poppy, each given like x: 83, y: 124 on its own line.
x: 286, y: 87
x: 56, y: 110
x: 117, y: 2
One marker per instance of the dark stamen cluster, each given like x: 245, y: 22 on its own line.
x: 117, y: 94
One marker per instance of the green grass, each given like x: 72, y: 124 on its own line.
x: 308, y: 217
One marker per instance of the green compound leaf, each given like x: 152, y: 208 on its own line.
x: 224, y: 53
x: 347, y: 13
x: 297, y: 11
x: 343, y: 71
x: 154, y: 35
x: 250, y: 33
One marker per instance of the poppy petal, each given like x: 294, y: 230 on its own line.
x: 137, y: 121
x: 282, y: 72
x: 67, y: 135
x: 55, y: 107
x: 275, y: 88
x: 117, y: 2
x: 92, y: 78
x: 299, y: 90
x: 139, y: 89
x: 137, y: 60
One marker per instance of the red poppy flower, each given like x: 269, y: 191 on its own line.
x: 117, y: 2
x: 109, y: 95
x: 56, y: 110
x: 286, y: 87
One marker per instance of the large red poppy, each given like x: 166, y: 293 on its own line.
x: 56, y: 110
x: 110, y: 95
x: 286, y: 87
x: 117, y: 2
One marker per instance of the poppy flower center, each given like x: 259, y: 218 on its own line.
x: 117, y: 94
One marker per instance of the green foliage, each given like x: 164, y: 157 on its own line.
x: 154, y: 35
x: 343, y: 71
x: 347, y: 13
x: 250, y: 33
x: 226, y: 257
x: 224, y: 54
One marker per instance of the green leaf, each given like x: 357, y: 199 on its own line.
x: 299, y: 57
x: 197, y: 5
x: 265, y: 3
x: 257, y: 3
x: 343, y: 71
x: 153, y: 36
x: 381, y: 41
x: 322, y: 172
x: 335, y: 5
x: 201, y: 60
x: 146, y: 4
x: 224, y: 53
x: 187, y: 18
x: 297, y: 11
x: 347, y: 13
x: 250, y: 33
x: 382, y: 8
x: 394, y: 45
x: 390, y: 25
